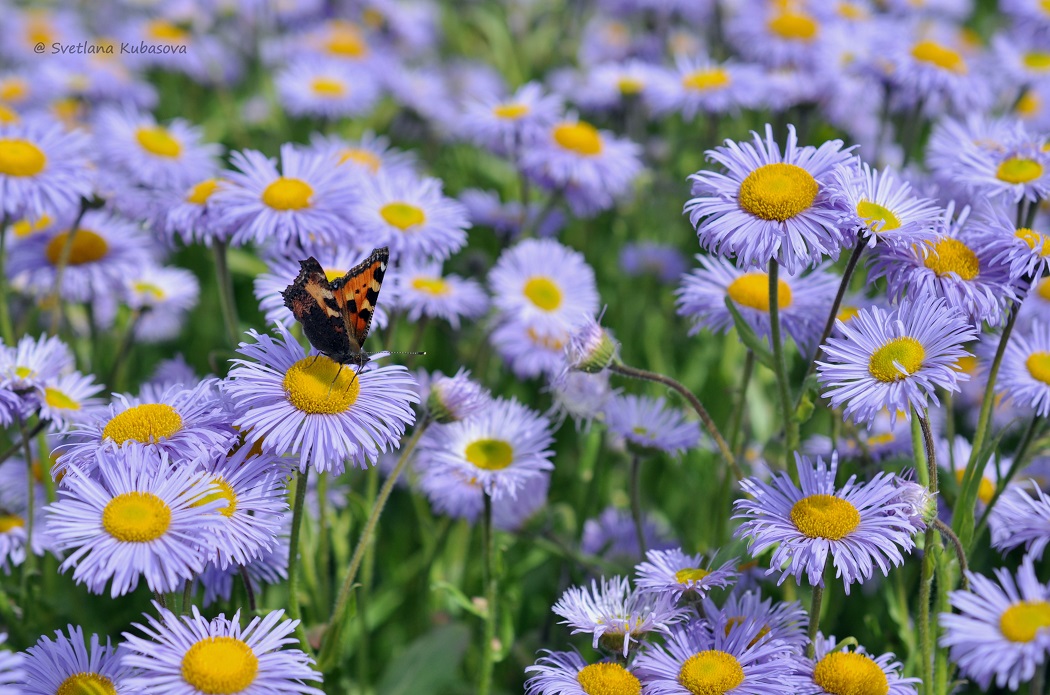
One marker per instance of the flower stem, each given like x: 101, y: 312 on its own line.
x: 815, y: 602
x: 705, y: 417
x: 227, y: 299
x: 488, y: 536
x: 29, y: 566
x: 60, y: 269
x: 780, y: 366
x: 1020, y: 458
x: 736, y: 421
x: 847, y: 275
x: 294, y: 611
x: 927, y: 624
x: 1038, y: 679
x: 636, y: 503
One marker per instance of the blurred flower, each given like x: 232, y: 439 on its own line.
x: 591, y: 348
x: 580, y: 395
x: 189, y: 215
x: 662, y: 260
x: 844, y: 670
x: 69, y: 664
x: 1024, y: 376
x: 164, y: 295
x: 650, y: 424
x: 506, y: 125
x: 700, y: 85
x: 326, y: 88
x: 68, y: 400
x: 420, y: 289
x: 566, y: 673
x: 783, y: 621
x: 678, y: 574
x: 454, y: 398
x: 1019, y: 171
x: 511, y: 218
x: 33, y: 362
x: 365, y: 156
x: 1023, y: 249
x: 527, y: 351
x: 44, y: 169
x: 1021, y: 517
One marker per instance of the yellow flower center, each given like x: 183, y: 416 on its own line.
x: 288, y: 194
x: 490, y: 454
x: 939, y: 55
x: 10, y: 521
x: 690, y: 574
x: 13, y: 89
x: 87, y: 247
x: 149, y: 422
x: 967, y: 364
x: 166, y: 32
x: 222, y: 490
x: 59, y: 400
x: 630, y: 85
x: 1038, y: 364
x: 364, y: 158
x: 581, y: 138
x: 220, y: 666
x: 8, y: 115
x: 879, y: 218
x: 333, y: 274
x: 794, y: 26
x: 847, y: 314
x: 778, y: 192
x: 1037, y: 60
x: 824, y: 516
x: 1028, y: 105
x: 200, y: 193
x: 158, y: 141
x: 20, y: 158
x: 702, y: 80
x: 86, y: 683
x: 1023, y: 620
x: 321, y: 385
x: 953, y: 256
x: 881, y: 439
x: 136, y: 517
x: 849, y: 673
x: 1034, y: 239
x: 710, y: 672
x: 402, y: 215
x: 738, y: 620
x: 144, y: 288
x: 345, y: 40
x: 328, y: 87
x: 511, y: 111
x: 752, y: 290
x: 1019, y: 170
x: 608, y: 679
x: 433, y: 286
x: 897, y: 359
x: 548, y: 342
x: 543, y: 292
x: 985, y: 489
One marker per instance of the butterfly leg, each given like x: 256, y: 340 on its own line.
x: 315, y: 359
x: 353, y: 378
x: 337, y: 373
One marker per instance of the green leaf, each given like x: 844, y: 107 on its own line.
x: 458, y: 598
x: 434, y: 661
x: 749, y: 337
x: 807, y: 400
x: 963, y: 514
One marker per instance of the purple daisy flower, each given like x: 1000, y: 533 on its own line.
x: 68, y: 400
x: 1021, y: 517
x: 860, y: 526
x: 326, y: 88
x: 70, y: 664
x: 528, y: 351
x: 613, y: 536
x: 566, y: 673
x: 783, y: 621
x: 650, y: 424
x: 453, y: 398
x: 33, y: 362
x: 188, y: 213
x: 507, y: 124
x: 852, y: 671
x: 1024, y: 250
x: 674, y: 572
x: 44, y: 169
x: 422, y: 291
x: 1024, y: 376
x: 649, y: 257
x: 365, y: 156
x: 11, y: 674
x: 700, y: 85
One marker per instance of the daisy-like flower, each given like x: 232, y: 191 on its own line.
x: 141, y: 518
x: 698, y: 659
x: 1026, y: 251
x: 608, y: 86
x: 1024, y: 376
x: 271, y: 567
x: 43, y: 169
x: 324, y: 412
x: 11, y: 674
x: 783, y: 621
x: 71, y: 664
x: 702, y: 86
x: 675, y: 572
x: 614, y: 536
x: 860, y: 526
x: 662, y: 260
x: 767, y: 205
x: 581, y: 396
x: 163, y: 295
x: 529, y: 352
x: 1002, y: 630
x: 1021, y: 517
x: 781, y: 34
x: 650, y: 424
x: 1020, y: 171
x: 895, y: 360
x: 877, y: 206
x: 410, y: 215
x: 421, y: 290
x: 454, y: 398
x: 68, y: 400
x: 803, y: 300
x: 929, y: 64
x: 852, y: 671
x: 306, y: 200
x: 326, y: 88
x: 544, y: 285
x: 187, y: 213
x: 505, y: 125
x: 189, y: 655
x: 500, y: 447
x: 566, y: 673
x: 615, y: 614
x: 367, y: 156
x: 33, y: 362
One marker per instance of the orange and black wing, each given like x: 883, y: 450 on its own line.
x: 313, y: 302
x: 357, y: 292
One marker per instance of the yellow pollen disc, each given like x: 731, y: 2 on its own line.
x: 849, y: 673
x: 25, y: 227
x: 1038, y: 364
x: 794, y: 26
x: 778, y: 192
x: 23, y: 372
x: 13, y: 90
x: 158, y: 141
x: 1043, y: 289
x: 148, y: 422
x: 10, y: 521
x: 58, y: 400
x: 510, y: 112
x: 288, y: 194
x: 940, y: 55
x: 154, y: 292
x: 364, y: 158
x: 953, y: 256
x: 690, y: 574
x: 752, y: 290
x: 824, y: 516
x: 328, y: 87
x: 1027, y: 106
x: 162, y: 30
x: 373, y: 17
x: 848, y: 10
x: 608, y: 679
x: 847, y: 314
x: 333, y: 274
x: 8, y: 115
x: 1023, y: 620
x: 1037, y: 60
x: 402, y: 215
x: 346, y: 41
x: 313, y: 386
x: 543, y: 292
x: 710, y: 672
x: 630, y: 85
x: 581, y: 138
x: 490, y: 454
x: 906, y: 352
x: 1019, y: 170
x: 20, y: 158
x: 881, y: 439
x: 549, y: 342
x: 87, y: 247
x: 200, y: 193
x: 967, y: 364
x: 739, y: 619
x: 433, y: 286
x: 703, y: 80
x: 86, y: 683
x: 222, y: 491
x: 136, y: 517
x: 985, y: 490
x: 1034, y: 239
x: 878, y: 218
x: 220, y: 665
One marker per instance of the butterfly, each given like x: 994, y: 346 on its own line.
x: 336, y: 315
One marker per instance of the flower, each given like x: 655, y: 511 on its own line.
x: 616, y: 614
x: 528, y: 351
x: 190, y: 654
x: 614, y: 536
x: 420, y: 289
x: 674, y: 572
x: 781, y: 35
x: 1001, y: 631
x: 326, y: 88
x: 581, y: 396
x: 1024, y: 250
x: 365, y: 156
x: 11, y: 673
x: 70, y: 665
x: 591, y: 348
x: 650, y: 424
x: 43, y: 169
x: 143, y: 517
x: 852, y: 671
x: 650, y: 257
x: 1024, y: 376
x: 324, y: 412
x: 188, y: 214
x: 1019, y: 171
x: 33, y: 362
x: 702, y: 86
x: 68, y: 400
x: 164, y: 295
x: 566, y: 673
x: 1021, y: 517
x: 785, y: 621
x: 858, y: 525
x: 508, y: 124
x: 454, y: 398
x: 894, y: 360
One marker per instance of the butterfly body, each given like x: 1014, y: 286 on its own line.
x: 336, y: 315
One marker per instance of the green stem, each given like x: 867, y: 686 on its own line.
x: 7, y: 332
x: 294, y: 610
x: 489, y: 633
x: 29, y: 566
x: 323, y: 550
x: 60, y: 270
x: 829, y: 325
x: 1020, y: 458
x: 227, y: 299
x: 815, y: 602
x: 927, y: 624
x: 636, y: 503
x: 13, y: 449
x: 1038, y: 679
x: 780, y: 366
x: 960, y: 552
x: 248, y: 589
x: 117, y: 369
x: 736, y: 420
x: 363, y: 588
x: 187, y: 596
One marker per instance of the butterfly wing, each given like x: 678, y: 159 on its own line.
x: 356, y: 294
x: 314, y: 304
